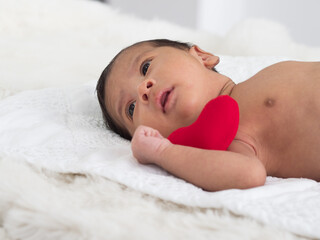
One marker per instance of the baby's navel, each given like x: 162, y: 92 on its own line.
x: 269, y: 102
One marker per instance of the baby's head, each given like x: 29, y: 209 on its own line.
x: 159, y: 83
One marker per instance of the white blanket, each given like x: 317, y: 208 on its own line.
x: 61, y: 129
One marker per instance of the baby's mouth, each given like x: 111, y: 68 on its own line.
x: 164, y: 99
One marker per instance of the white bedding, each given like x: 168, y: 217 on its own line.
x: 61, y: 129
x: 60, y: 47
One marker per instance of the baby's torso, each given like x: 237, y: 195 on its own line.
x: 280, y: 118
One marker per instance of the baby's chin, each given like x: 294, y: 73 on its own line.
x: 167, y: 129
x: 190, y: 113
x: 183, y: 117
x: 165, y: 132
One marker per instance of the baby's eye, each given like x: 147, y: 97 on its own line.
x: 131, y: 109
x: 145, y: 67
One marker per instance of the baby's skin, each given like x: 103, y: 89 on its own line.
x: 279, y: 128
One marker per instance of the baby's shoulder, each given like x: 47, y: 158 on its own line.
x: 291, y: 65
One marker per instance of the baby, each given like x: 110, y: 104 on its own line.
x: 154, y: 87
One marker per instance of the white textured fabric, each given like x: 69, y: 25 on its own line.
x: 61, y: 129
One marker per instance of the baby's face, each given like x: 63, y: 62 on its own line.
x: 161, y: 87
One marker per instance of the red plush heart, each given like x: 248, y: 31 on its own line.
x: 215, y: 127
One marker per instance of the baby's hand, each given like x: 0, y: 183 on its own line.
x: 148, y: 145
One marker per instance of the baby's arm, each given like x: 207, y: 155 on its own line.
x: 208, y: 169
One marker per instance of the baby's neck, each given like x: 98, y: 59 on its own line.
x: 227, y: 88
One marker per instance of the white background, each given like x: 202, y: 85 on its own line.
x: 301, y: 17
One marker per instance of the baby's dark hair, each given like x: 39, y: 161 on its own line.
x: 100, y: 88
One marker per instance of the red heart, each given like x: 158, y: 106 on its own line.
x: 215, y: 127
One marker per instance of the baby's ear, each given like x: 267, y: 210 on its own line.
x: 207, y: 59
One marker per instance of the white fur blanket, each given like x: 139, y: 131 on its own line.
x: 59, y: 130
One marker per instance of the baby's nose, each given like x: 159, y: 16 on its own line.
x: 144, y: 89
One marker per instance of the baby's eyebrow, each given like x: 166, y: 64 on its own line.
x: 121, y: 103
x: 136, y: 62
x: 139, y: 58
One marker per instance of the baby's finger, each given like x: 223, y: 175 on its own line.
x: 141, y: 130
x: 158, y: 135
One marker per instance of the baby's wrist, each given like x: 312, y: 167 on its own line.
x: 164, y: 152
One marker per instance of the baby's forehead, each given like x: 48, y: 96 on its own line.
x: 133, y: 51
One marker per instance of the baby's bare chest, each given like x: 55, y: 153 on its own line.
x: 283, y: 117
